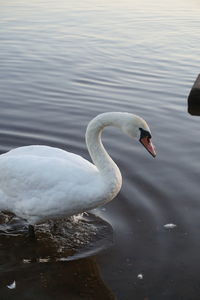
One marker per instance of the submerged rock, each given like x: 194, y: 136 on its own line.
x: 56, y: 240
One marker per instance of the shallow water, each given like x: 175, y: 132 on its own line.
x: 62, y: 63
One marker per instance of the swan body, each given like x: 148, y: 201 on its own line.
x: 39, y: 182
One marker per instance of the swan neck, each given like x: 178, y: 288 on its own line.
x: 104, y: 163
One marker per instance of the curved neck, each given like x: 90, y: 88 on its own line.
x: 104, y: 163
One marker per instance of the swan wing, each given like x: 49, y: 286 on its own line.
x: 43, y: 180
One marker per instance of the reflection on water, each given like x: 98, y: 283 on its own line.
x: 72, y: 280
x: 43, y: 265
x: 62, y: 63
x: 62, y: 239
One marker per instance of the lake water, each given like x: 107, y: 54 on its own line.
x: 61, y: 64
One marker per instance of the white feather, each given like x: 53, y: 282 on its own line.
x: 12, y: 285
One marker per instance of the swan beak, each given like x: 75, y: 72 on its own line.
x: 146, y: 142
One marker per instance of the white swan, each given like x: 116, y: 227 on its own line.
x: 40, y: 182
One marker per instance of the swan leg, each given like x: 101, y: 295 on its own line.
x: 31, y: 231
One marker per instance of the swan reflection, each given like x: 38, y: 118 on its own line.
x: 54, y: 264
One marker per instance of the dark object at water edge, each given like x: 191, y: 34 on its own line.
x: 31, y: 232
x: 194, y: 98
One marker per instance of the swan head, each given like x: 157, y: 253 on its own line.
x: 137, y: 128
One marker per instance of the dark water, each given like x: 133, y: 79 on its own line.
x: 62, y: 63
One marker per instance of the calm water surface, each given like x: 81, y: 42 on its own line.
x: 62, y: 63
